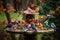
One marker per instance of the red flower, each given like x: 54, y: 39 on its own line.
x: 40, y: 0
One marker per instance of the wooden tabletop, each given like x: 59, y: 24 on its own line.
x: 30, y: 32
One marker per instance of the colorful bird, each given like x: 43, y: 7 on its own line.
x: 53, y: 26
x: 28, y: 27
x: 36, y: 22
x: 41, y: 26
x: 10, y: 24
x: 46, y: 24
x: 33, y: 27
x: 32, y: 6
x: 37, y: 9
x: 23, y: 22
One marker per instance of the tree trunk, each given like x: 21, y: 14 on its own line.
x: 7, y: 14
x: 25, y: 4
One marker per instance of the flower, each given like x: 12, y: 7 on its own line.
x: 11, y: 17
x: 58, y: 8
x: 52, y: 12
x: 40, y: 0
x: 41, y: 17
x: 3, y: 22
x: 44, y: 17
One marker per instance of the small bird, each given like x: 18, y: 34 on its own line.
x: 46, y: 24
x: 33, y: 27
x: 10, y: 25
x: 18, y: 21
x: 41, y: 26
x: 23, y: 22
x: 28, y: 27
x: 53, y: 26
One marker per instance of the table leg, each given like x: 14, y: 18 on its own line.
x: 29, y: 36
x: 13, y: 37
x: 21, y: 37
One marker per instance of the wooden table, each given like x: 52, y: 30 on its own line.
x: 29, y: 35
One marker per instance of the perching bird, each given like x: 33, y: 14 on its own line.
x: 53, y: 26
x: 18, y: 21
x: 28, y: 27
x: 46, y: 23
x: 10, y: 24
x: 33, y: 27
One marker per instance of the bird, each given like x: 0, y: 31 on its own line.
x: 53, y: 26
x: 33, y: 27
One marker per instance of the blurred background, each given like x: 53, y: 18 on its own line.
x: 11, y: 10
